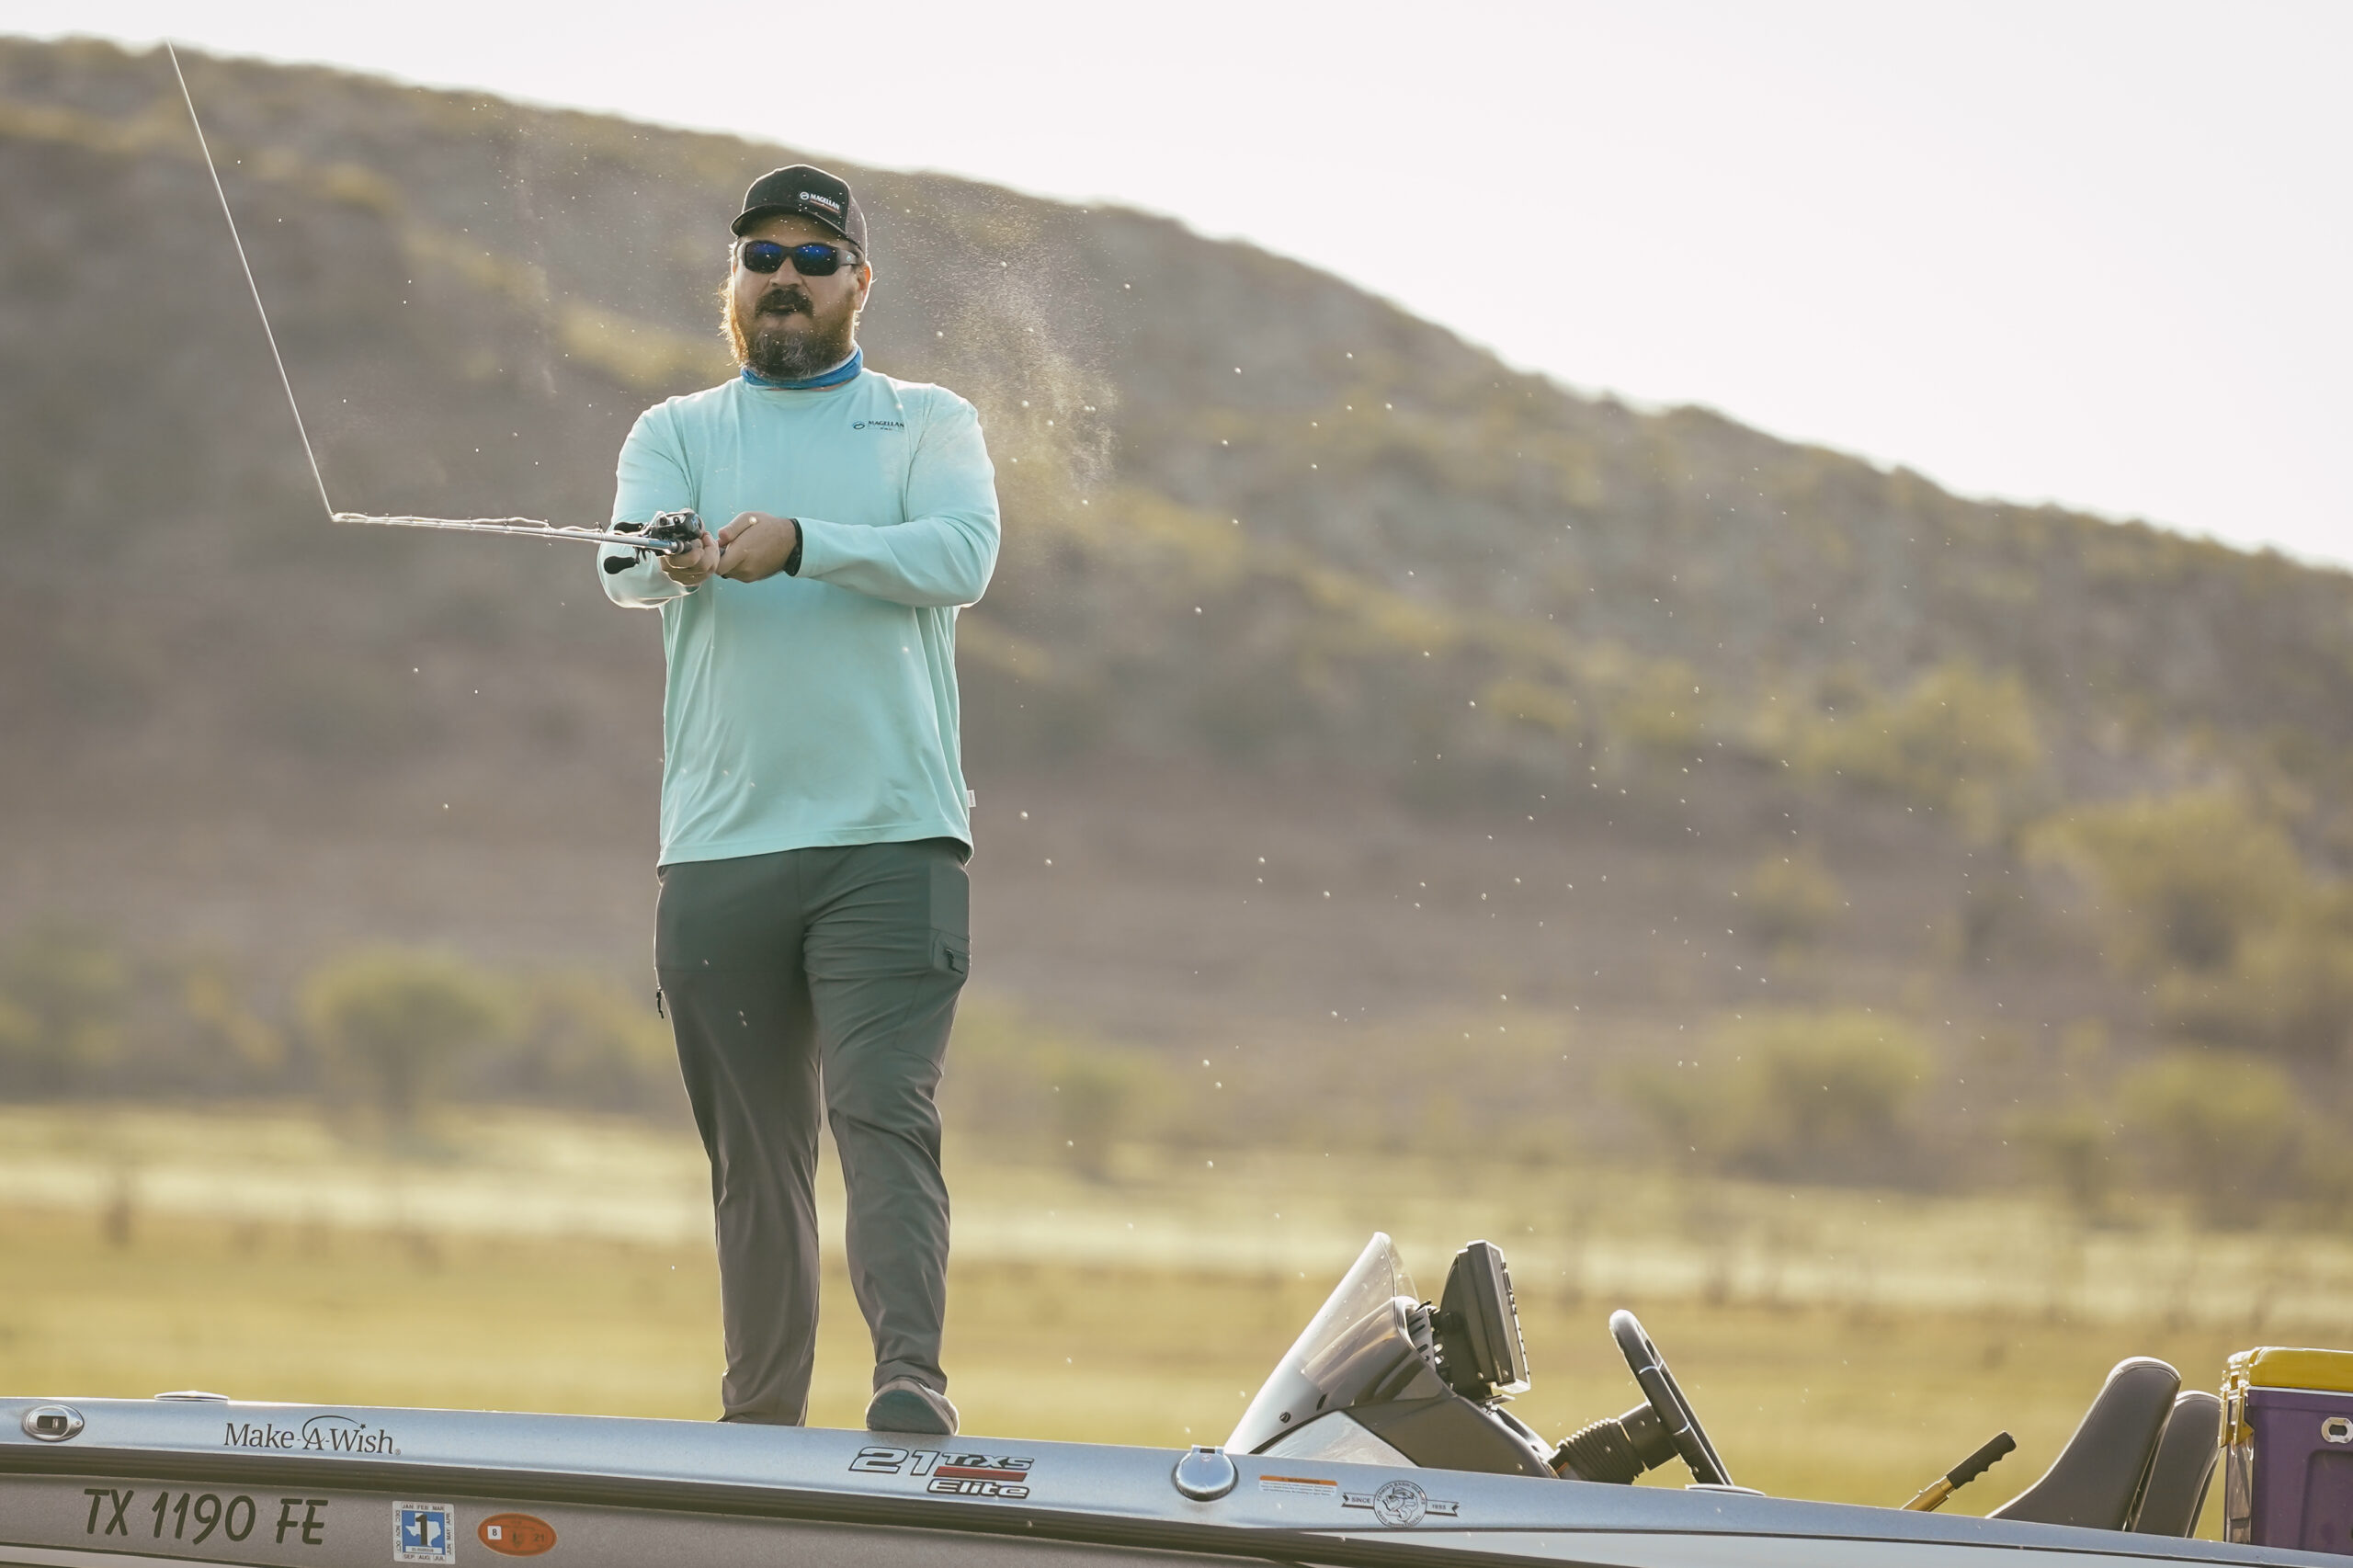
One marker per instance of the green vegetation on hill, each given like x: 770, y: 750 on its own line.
x: 1386, y: 524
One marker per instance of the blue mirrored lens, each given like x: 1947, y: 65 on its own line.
x: 815, y: 260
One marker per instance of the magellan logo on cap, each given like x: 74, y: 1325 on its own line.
x: 811, y: 199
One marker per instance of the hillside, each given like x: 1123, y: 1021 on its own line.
x: 1519, y: 693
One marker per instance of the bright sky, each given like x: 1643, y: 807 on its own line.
x: 2090, y: 252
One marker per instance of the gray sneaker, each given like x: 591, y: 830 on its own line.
x: 903, y: 1405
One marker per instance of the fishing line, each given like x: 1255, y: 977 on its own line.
x: 528, y: 528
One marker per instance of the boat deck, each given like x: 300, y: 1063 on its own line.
x: 211, y: 1481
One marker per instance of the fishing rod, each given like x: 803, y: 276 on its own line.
x: 667, y: 534
x: 670, y: 533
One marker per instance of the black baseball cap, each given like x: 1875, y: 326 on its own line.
x: 807, y: 192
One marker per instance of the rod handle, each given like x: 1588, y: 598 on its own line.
x: 1982, y: 1460
x: 1932, y: 1497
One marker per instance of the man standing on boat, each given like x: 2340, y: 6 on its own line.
x: 812, y: 933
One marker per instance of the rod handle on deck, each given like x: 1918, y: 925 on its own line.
x: 1932, y: 1497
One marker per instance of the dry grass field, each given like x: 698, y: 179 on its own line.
x: 135, y: 1288
x: 1810, y: 1402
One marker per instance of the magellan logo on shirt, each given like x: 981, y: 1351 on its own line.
x: 879, y: 424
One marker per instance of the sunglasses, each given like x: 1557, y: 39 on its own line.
x: 811, y: 260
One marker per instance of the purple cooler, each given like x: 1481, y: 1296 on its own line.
x: 2287, y: 1449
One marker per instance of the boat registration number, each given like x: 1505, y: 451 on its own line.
x: 194, y: 1516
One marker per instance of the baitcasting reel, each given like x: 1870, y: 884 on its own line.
x: 667, y: 534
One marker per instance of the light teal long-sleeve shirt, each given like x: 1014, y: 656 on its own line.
x: 818, y: 708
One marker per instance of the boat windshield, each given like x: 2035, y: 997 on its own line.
x: 1358, y: 1334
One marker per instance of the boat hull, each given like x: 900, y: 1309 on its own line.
x: 214, y: 1482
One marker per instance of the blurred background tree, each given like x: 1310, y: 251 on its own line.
x: 2224, y: 1130
x: 216, y: 1001
x: 1796, y: 1095
x: 1661, y: 709
x: 2209, y: 902
x: 391, y: 1021
x: 2071, y: 1149
x: 1094, y: 1099
x: 581, y: 1040
x: 65, y: 989
x: 1791, y: 901
x: 1021, y: 1080
x: 1959, y: 740
x: 2181, y: 879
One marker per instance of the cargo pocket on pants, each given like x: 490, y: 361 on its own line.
x: 952, y: 910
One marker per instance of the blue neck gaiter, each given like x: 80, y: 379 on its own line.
x: 846, y: 371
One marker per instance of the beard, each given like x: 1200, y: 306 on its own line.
x: 785, y: 340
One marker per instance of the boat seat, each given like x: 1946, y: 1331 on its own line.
x: 2096, y: 1479
x: 2183, y: 1467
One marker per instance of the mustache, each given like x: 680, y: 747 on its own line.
x: 789, y: 300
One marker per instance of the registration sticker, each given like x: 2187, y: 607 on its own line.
x: 425, y: 1532
x: 515, y: 1535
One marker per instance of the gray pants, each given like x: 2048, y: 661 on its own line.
x: 806, y: 979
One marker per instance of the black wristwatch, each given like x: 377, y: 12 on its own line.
x: 792, y: 561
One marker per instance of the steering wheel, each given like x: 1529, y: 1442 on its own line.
x: 1666, y: 1396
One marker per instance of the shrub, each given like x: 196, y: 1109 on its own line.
x: 2213, y: 904
x: 582, y: 1039
x: 1689, y: 1112
x: 2073, y: 1149
x: 225, y: 1027
x: 1094, y: 1102
x: 1837, y: 1088
x: 1791, y: 901
x: 1795, y: 1096
x: 65, y: 991
x: 390, y: 1020
x: 1998, y: 910
x: 1660, y: 709
x: 20, y: 1044
x: 2223, y: 1129
x: 1532, y: 703
x: 2181, y: 879
x: 2290, y: 989
x: 1959, y: 740
x: 1015, y: 1080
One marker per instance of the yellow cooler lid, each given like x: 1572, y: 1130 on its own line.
x: 2283, y: 1367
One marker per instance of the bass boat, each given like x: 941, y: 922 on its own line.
x: 1382, y: 1438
